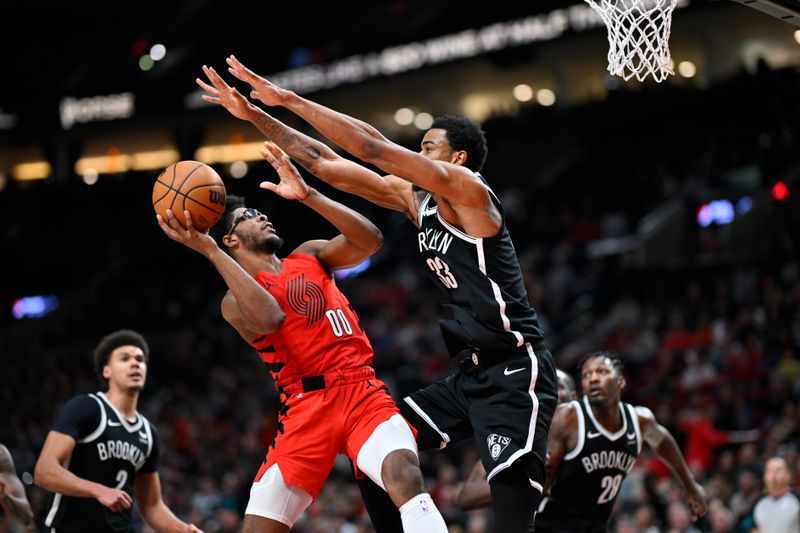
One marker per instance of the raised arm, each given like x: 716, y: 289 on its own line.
x: 12, y: 493
x: 51, y: 475
x: 316, y: 157
x: 154, y: 511
x: 665, y: 446
x: 257, y: 310
x: 360, y: 238
x: 456, y: 183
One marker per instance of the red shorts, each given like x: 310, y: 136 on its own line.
x: 320, y: 424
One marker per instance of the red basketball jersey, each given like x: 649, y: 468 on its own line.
x: 321, y: 332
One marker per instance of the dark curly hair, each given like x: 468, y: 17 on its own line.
x: 112, y: 341
x: 616, y: 362
x: 463, y: 134
x: 223, y: 225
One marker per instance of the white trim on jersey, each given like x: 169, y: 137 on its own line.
x: 603, y: 431
x: 532, y: 425
x: 581, y: 432
x: 460, y: 234
x: 56, y: 501
x: 429, y: 420
x: 636, y: 428
x: 127, y: 425
x: 101, y: 427
x: 149, y: 435
x: 498, y: 296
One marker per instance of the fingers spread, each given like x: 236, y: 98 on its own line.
x: 206, y: 87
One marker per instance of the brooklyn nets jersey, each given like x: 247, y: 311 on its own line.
x: 488, y: 305
x: 590, y: 476
x: 110, y: 450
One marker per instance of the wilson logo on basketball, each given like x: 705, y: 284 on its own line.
x: 305, y: 298
x: 216, y: 197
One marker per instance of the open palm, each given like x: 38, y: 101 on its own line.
x: 221, y: 93
x: 291, y: 185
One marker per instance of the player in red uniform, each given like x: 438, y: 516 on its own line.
x: 308, y: 335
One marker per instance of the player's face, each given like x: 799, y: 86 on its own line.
x: 436, y: 146
x: 600, y: 382
x: 126, y: 369
x: 255, y: 230
x: 566, y: 390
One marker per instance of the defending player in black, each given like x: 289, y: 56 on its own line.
x: 505, y: 392
x: 101, y: 450
x: 593, y: 445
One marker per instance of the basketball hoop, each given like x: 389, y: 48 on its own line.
x: 638, y: 36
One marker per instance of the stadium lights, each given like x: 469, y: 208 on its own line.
x: 523, y: 92
x: 33, y: 170
x: 229, y: 153
x: 423, y: 121
x: 545, y: 97
x: 404, y: 116
x: 118, y: 162
x: 687, y: 69
x: 158, y: 51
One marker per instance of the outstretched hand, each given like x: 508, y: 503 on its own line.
x: 291, y: 186
x: 696, y: 498
x: 220, y: 93
x: 263, y: 90
x: 200, y: 242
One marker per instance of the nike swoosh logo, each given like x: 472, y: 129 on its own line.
x: 631, y: 436
x: 590, y: 435
x: 508, y: 372
x: 431, y: 211
x: 110, y: 423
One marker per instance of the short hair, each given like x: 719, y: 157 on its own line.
x: 112, y: 341
x: 464, y: 134
x: 223, y: 225
x: 616, y: 362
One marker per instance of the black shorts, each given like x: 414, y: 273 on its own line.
x: 507, y: 405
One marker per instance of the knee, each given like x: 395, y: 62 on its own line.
x: 401, y: 473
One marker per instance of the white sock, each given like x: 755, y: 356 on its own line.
x: 420, y: 515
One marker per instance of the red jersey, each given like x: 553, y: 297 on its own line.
x: 321, y: 332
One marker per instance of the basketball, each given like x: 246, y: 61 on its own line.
x: 192, y: 186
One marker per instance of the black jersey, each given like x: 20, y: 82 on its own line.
x: 590, y: 476
x: 110, y: 450
x: 488, y: 308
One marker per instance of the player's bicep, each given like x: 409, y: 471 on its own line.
x: 58, y: 446
x: 232, y: 314
x: 457, y: 183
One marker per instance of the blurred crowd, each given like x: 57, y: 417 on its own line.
x: 712, y: 347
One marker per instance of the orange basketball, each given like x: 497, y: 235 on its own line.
x: 193, y: 186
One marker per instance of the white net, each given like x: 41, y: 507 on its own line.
x: 638, y: 36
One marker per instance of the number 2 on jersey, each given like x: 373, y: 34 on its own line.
x: 122, y: 477
x: 443, y: 271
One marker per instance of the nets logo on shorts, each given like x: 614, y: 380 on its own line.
x: 497, y: 443
x: 305, y: 298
